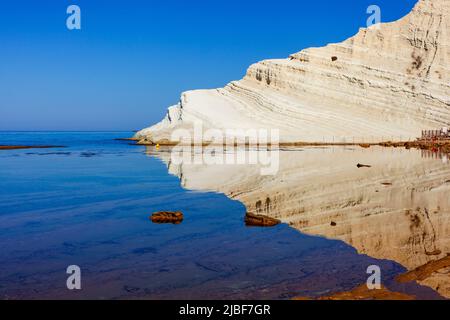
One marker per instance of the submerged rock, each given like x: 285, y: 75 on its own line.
x: 167, y: 217
x: 253, y: 220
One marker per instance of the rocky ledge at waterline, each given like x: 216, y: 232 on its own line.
x: 390, y: 80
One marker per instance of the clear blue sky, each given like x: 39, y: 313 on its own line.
x: 133, y: 58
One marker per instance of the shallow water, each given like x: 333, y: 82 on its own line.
x: 89, y: 205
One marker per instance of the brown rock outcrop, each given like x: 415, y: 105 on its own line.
x: 167, y: 217
x: 253, y: 220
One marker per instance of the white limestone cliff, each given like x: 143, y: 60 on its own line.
x: 384, y: 83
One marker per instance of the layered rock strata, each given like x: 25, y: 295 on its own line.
x: 388, y: 82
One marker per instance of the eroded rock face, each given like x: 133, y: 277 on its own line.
x: 386, y: 82
x: 398, y: 209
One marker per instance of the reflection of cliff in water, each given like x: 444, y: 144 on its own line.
x: 399, y: 209
x: 435, y: 154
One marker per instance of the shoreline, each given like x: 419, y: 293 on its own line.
x: 439, y: 145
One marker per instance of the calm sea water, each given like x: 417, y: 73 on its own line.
x: 89, y: 205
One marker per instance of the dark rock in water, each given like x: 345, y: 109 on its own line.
x: 253, y: 220
x: 142, y: 251
x: 359, y: 165
x: 131, y: 289
x: 167, y: 217
x: 88, y: 154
